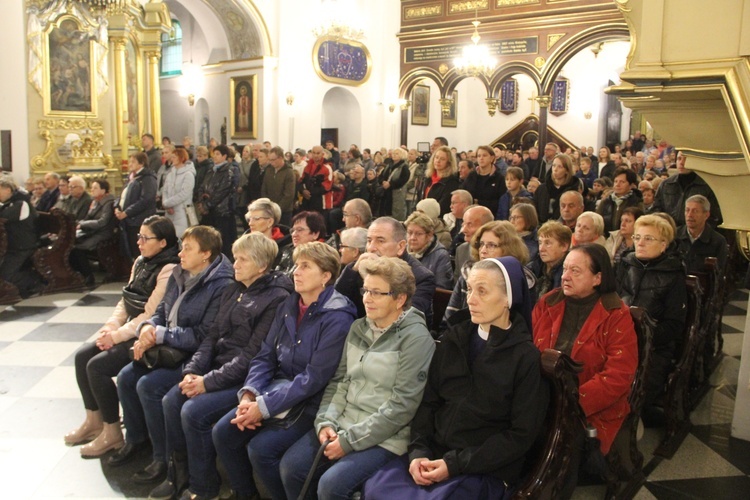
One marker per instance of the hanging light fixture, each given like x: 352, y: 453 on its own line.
x: 476, y: 59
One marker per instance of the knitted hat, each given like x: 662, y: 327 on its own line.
x: 430, y: 207
x: 517, y: 288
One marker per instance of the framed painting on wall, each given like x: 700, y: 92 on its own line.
x: 69, y: 70
x: 420, y: 109
x: 450, y: 119
x: 243, y: 112
x: 6, y: 164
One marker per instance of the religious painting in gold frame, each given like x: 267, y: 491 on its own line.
x: 342, y: 61
x: 69, y: 73
x: 420, y: 109
x: 450, y: 119
x: 243, y: 109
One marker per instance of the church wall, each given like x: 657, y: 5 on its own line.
x: 13, y: 86
x: 588, y: 76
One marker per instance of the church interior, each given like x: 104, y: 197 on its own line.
x: 298, y: 73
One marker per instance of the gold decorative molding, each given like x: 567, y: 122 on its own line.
x: 513, y: 3
x: 432, y: 10
x: 468, y: 6
x: 553, y: 39
x: 71, y: 124
x: 539, y: 62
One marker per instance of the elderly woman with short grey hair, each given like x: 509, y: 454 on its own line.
x: 423, y: 245
x: 589, y: 229
x: 367, y: 406
x: 353, y: 244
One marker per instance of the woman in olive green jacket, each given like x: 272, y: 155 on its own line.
x: 369, y: 403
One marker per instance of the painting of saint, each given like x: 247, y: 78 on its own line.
x: 69, y: 50
x: 244, y: 107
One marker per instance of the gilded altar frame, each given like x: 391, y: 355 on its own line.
x: 69, y: 69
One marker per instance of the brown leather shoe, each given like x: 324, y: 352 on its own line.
x: 109, y: 439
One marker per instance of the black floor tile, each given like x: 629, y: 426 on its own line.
x: 729, y: 329
x: 103, y: 300
x: 61, y: 332
x: 30, y: 313
x: 724, y: 488
x: 718, y: 438
x: 740, y: 295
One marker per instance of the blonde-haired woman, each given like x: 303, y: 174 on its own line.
x: 442, y: 178
x: 561, y: 179
x: 392, y: 181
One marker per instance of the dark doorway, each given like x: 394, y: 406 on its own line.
x: 329, y: 134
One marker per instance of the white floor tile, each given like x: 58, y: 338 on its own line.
x: 13, y: 330
x: 737, y: 322
x: 733, y: 344
x: 26, y: 463
x: 37, y: 353
x: 81, y: 314
x: 75, y: 477
x: 60, y: 383
x: 644, y: 494
x: 725, y: 374
x: 7, y: 402
x: 693, y: 460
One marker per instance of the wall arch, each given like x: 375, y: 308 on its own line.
x: 342, y: 111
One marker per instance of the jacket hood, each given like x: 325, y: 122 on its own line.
x: 411, y: 318
x: 460, y: 328
x: 666, y: 262
x: 274, y: 279
x: 188, y: 168
x: 331, y: 300
x: 220, y: 268
x: 145, y: 172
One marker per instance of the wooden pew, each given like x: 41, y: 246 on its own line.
x: 711, y: 342
x: 562, y: 432
x: 676, y: 398
x: 440, y: 300
x: 8, y: 291
x: 51, y: 260
x: 109, y: 255
x: 625, y: 462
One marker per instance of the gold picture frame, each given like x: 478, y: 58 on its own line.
x: 69, y: 69
x: 342, y: 61
x: 243, y: 107
x: 451, y: 118
x: 420, y: 108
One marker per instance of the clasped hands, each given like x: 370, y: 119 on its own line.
x: 333, y: 451
x: 146, y: 341
x: 426, y: 472
x: 192, y: 385
x: 247, y: 415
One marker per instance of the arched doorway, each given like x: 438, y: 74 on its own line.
x: 342, y: 116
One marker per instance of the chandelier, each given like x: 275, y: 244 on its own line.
x: 476, y: 59
x: 339, y: 20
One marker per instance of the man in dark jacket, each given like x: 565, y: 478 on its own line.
x: 217, y: 200
x: 49, y: 197
x: 80, y: 200
x: 153, y: 154
x: 20, y: 217
x: 386, y: 237
x: 672, y: 193
x: 697, y: 240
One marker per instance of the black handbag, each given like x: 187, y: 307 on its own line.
x: 160, y: 356
x: 134, y: 303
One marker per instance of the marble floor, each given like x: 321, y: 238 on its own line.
x: 40, y: 402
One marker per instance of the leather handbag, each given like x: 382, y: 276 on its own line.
x: 160, y: 356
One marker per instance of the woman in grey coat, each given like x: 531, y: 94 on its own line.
x: 177, y: 192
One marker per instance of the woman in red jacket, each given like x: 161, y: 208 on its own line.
x: 587, y: 320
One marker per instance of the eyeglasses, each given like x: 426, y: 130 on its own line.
x: 296, y: 230
x: 648, y: 238
x: 256, y: 219
x: 373, y: 293
x: 489, y: 245
x: 347, y: 214
x: 514, y: 218
x: 143, y: 237
x: 418, y: 234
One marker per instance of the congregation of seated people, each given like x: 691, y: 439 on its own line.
x: 314, y: 329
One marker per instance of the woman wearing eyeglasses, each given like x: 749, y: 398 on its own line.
x: 653, y: 278
x: 286, y: 379
x: 493, y: 240
x: 367, y: 406
x: 97, y: 362
x: 306, y: 228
